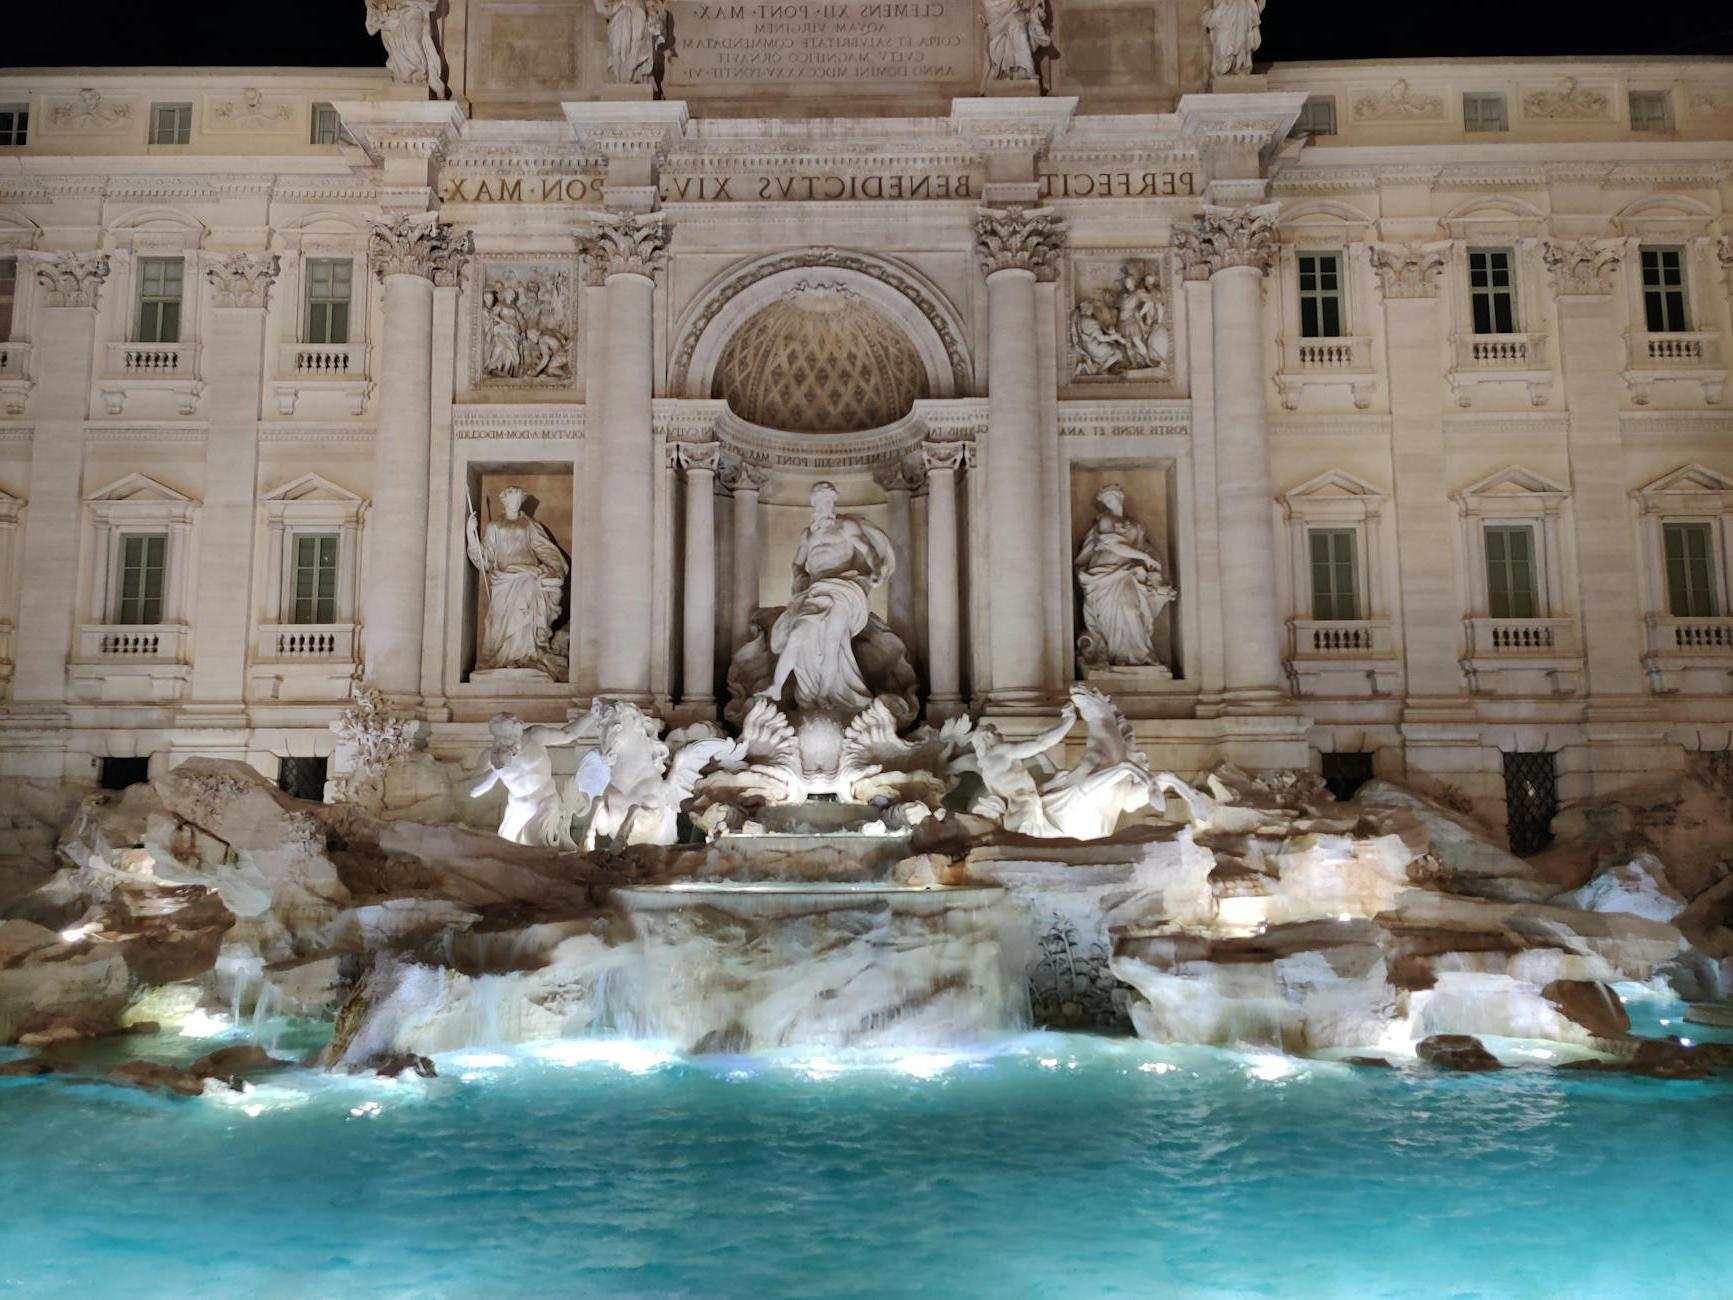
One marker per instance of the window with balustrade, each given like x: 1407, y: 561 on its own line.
x: 1664, y: 289
x: 1492, y: 290
x: 313, y: 578
x: 161, y: 284
x: 1511, y: 587
x: 1691, y: 585
x: 1686, y: 522
x: 312, y: 555
x: 1340, y: 631
x: 1321, y: 300
x: 138, y: 579
x: 1518, y: 569
x: 1335, y: 574
x: 329, y: 290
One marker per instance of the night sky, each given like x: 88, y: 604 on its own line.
x: 328, y: 33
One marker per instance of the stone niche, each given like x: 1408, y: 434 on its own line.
x: 549, y: 504
x: 1148, y: 501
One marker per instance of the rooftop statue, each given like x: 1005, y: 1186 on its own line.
x: 536, y: 812
x: 1016, y: 33
x: 1234, y: 28
x: 1124, y: 591
x: 411, y: 47
x: 636, y: 30
x: 525, y: 575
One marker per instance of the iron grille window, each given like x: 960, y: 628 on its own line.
x: 1664, y: 290
x: 118, y: 773
x: 1320, y: 295
x: 1492, y: 290
x: 1511, y: 591
x: 1335, y: 586
x: 138, y: 594
x: 1317, y: 116
x: 160, y: 282
x: 1530, y: 800
x: 171, y: 123
x: 329, y: 292
x: 1483, y: 111
x: 303, y: 778
x: 325, y: 123
x: 8, y: 295
x: 14, y: 124
x: 1346, y: 772
x: 1690, y: 571
x: 313, y: 593
x: 1651, y: 110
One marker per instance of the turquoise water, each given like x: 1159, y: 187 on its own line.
x: 1047, y: 1165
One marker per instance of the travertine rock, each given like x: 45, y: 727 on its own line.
x: 1456, y: 1052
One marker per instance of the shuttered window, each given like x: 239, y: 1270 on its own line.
x: 313, y: 593
x: 1511, y: 591
x: 1335, y: 585
x: 160, y: 282
x: 328, y: 296
x: 1320, y: 295
x: 1690, y: 571
x: 1664, y: 290
x: 138, y: 595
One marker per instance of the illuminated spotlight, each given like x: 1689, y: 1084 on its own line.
x: 79, y: 933
x: 623, y: 1054
x: 1157, y: 1067
x: 200, y: 1023
x: 926, y: 1065
x: 1273, y: 1069
x: 366, y: 1110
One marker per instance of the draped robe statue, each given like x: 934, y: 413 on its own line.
x: 1123, y: 588
x: 635, y: 29
x: 411, y: 51
x: 525, y: 575
x: 1015, y: 35
x: 1235, y: 30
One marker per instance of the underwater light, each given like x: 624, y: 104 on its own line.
x: 78, y: 933
x: 1273, y: 1069
x: 199, y: 1023
x: 482, y: 1060
x: 366, y: 1110
x: 926, y: 1065
x: 1156, y: 1067
x: 634, y: 1058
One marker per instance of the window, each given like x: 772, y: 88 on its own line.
x: 1345, y: 772
x: 1651, y: 110
x: 328, y: 292
x: 159, y: 299
x: 303, y: 778
x: 14, y: 124
x: 1664, y: 290
x: 1530, y: 800
x: 1317, y: 116
x: 313, y: 583
x: 8, y: 295
x: 119, y: 773
x: 1483, y: 111
x: 1335, y: 586
x: 1511, y: 591
x: 324, y: 124
x: 138, y: 596
x: 1691, y: 570
x: 1320, y: 295
x: 171, y: 123
x: 1492, y: 290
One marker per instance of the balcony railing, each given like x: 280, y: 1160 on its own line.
x: 153, y: 360
x: 1673, y: 351
x: 1348, y: 355
x: 1692, y: 637
x: 316, y: 361
x: 128, y: 643
x: 1358, y: 639
x: 307, y: 642
x: 1519, y: 637
x: 1500, y: 352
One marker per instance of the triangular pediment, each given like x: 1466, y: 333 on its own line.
x: 140, y: 488
x: 1514, y: 481
x: 312, y: 487
x: 1333, y: 483
x: 1689, y: 478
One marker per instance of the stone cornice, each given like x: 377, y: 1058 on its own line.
x: 1582, y: 266
x: 628, y: 129
x: 418, y: 244
x: 1022, y: 240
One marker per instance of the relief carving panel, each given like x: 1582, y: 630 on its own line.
x: 524, y: 331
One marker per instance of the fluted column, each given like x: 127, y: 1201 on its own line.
x: 1017, y: 248
x: 899, y: 480
x: 746, y: 481
x: 942, y: 462
x: 629, y: 249
x: 1236, y: 247
x: 698, y: 578
x: 407, y: 255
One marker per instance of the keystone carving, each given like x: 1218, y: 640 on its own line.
x: 243, y: 280
x: 1026, y: 240
x: 421, y: 245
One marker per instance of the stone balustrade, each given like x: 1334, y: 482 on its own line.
x: 306, y: 642
x: 158, y: 642
x: 1497, y: 637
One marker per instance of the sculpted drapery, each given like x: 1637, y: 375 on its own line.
x: 1124, y: 591
x: 635, y: 29
x: 411, y: 48
x: 1015, y: 35
x: 525, y: 574
x: 1235, y: 30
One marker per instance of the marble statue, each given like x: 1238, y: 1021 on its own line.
x: 411, y: 47
x: 1016, y: 33
x: 1234, y: 28
x: 1124, y: 591
x: 1124, y: 329
x: 536, y: 812
x: 522, y: 336
x: 636, y: 781
x: 636, y: 30
x: 1086, y: 802
x: 839, y: 559
x: 1100, y: 348
x: 525, y: 575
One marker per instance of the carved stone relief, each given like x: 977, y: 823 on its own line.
x: 89, y: 112
x: 525, y: 326
x: 1121, y: 325
x: 243, y: 280
x: 250, y: 112
x: 1401, y: 103
x: 1568, y: 102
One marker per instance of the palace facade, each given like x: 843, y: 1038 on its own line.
x: 1413, y: 374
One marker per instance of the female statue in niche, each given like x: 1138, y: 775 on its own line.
x: 525, y: 575
x: 1124, y: 591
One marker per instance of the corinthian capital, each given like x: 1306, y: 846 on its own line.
x: 72, y: 279
x: 1221, y: 238
x: 947, y: 457
x: 243, y: 280
x: 1581, y: 266
x: 739, y: 475
x: 1023, y: 240
x: 420, y: 244
x: 1407, y: 270
x: 625, y: 244
x: 703, y: 456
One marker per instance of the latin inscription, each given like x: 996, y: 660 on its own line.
x: 807, y: 187
x: 857, y: 43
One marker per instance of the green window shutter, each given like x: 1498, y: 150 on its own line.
x: 139, y: 593
x: 1511, y: 591
x: 1690, y: 571
x: 1335, y: 574
x: 313, y: 589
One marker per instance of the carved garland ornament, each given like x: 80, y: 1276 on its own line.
x: 1020, y: 240
x: 1407, y: 270
x: 243, y: 280
x: 1582, y: 266
x: 73, y: 279
x: 419, y: 245
x: 624, y: 244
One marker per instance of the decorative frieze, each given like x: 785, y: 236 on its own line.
x: 89, y: 112
x: 527, y: 422
x: 72, y: 279
x: 1224, y: 238
x: 1401, y: 103
x: 418, y: 244
x: 1022, y: 240
x: 1124, y: 419
x: 252, y: 112
x: 622, y: 243
x: 526, y: 325
x: 1409, y: 270
x: 242, y: 280
x: 1568, y: 102
x: 1582, y: 266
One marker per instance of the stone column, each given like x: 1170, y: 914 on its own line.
x: 234, y: 358
x: 406, y: 253
x: 64, y: 330
x: 1238, y: 245
x: 698, y: 578
x: 1591, y: 348
x: 942, y: 461
x: 1016, y: 247
x: 899, y: 480
x: 746, y: 481
x: 630, y: 250
x: 1432, y: 609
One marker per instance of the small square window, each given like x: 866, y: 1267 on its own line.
x: 303, y: 778
x: 1484, y: 111
x: 1651, y: 110
x: 325, y: 124
x: 14, y: 125
x: 171, y: 123
x: 1317, y: 116
x: 119, y: 773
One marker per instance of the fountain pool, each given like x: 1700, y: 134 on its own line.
x: 1040, y: 1164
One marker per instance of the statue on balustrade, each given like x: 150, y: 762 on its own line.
x: 1124, y: 591
x: 524, y: 572
x: 1235, y: 30
x: 411, y: 47
x: 537, y: 812
x: 1016, y: 34
x: 636, y: 30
